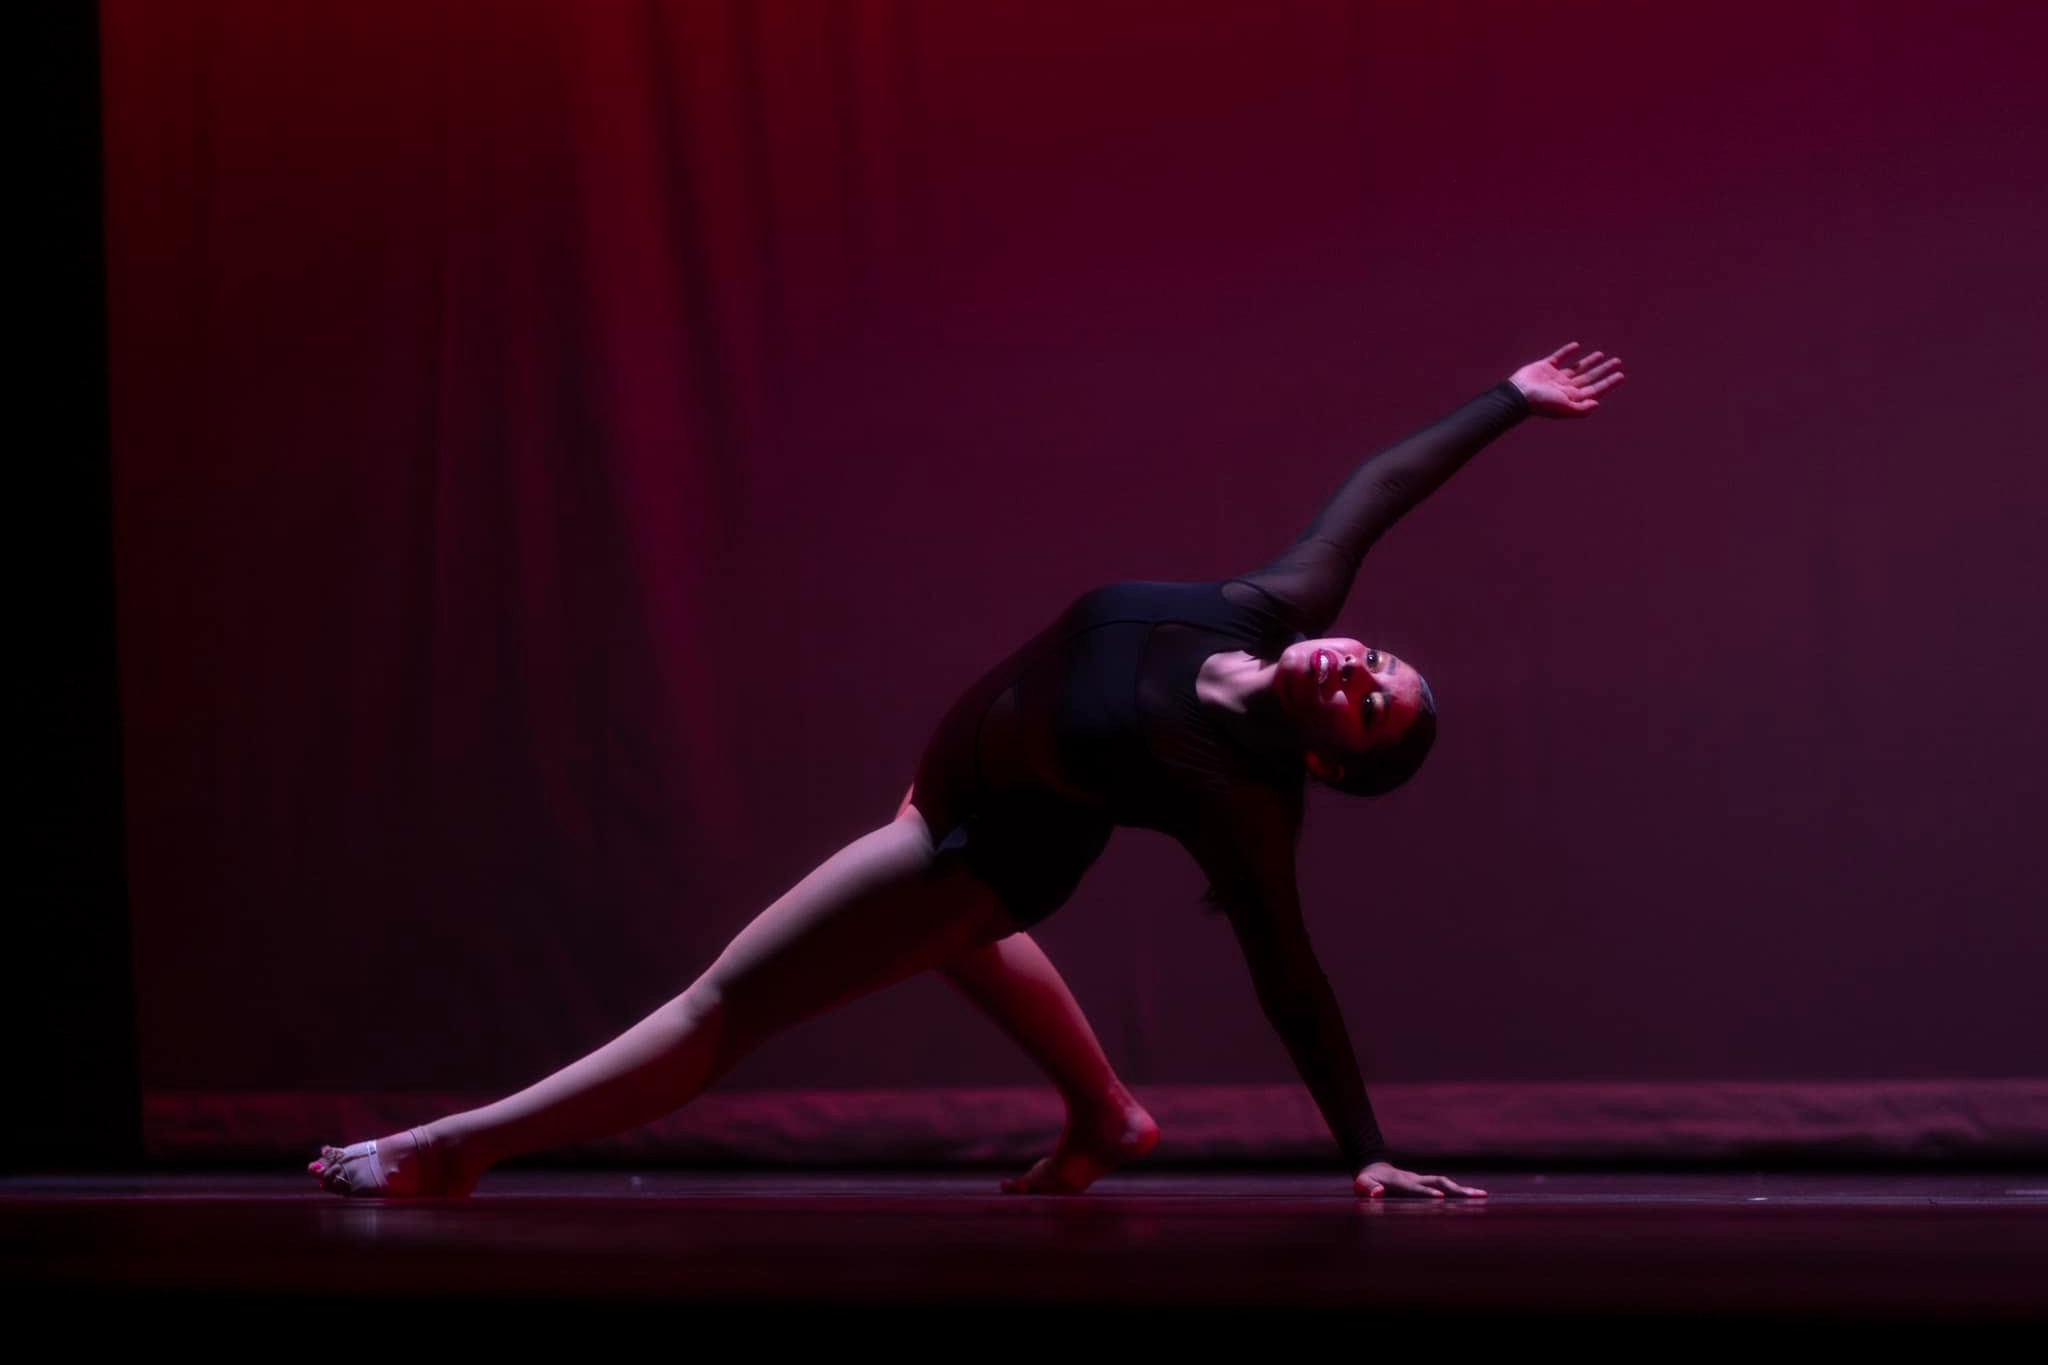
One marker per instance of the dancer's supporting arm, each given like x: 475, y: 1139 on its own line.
x: 1244, y: 844
x: 1312, y: 576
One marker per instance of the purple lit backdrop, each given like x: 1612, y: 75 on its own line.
x: 566, y: 456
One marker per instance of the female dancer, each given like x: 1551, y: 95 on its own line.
x: 1196, y: 709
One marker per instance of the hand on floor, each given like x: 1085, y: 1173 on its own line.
x: 1383, y: 1178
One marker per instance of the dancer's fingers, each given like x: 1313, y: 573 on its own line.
x: 1561, y: 352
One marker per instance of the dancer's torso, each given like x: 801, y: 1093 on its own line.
x: 1099, y: 709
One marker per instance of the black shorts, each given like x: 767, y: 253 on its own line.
x: 1030, y: 850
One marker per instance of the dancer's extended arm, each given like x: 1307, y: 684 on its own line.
x: 1312, y: 576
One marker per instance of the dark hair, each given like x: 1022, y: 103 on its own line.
x: 1379, y: 770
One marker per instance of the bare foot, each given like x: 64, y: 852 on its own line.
x: 414, y: 1164
x: 1095, y: 1143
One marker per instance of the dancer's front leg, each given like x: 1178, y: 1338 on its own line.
x: 1016, y: 985
x: 873, y: 913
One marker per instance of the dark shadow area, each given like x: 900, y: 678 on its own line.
x: 72, y: 1082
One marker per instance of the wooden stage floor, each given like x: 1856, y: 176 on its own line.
x: 1198, y: 1250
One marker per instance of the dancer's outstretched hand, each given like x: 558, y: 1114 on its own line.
x: 1384, y: 1179
x: 1557, y: 387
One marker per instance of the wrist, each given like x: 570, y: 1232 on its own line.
x: 1518, y: 395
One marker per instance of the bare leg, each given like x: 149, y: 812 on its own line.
x: 873, y: 913
x: 1015, y: 984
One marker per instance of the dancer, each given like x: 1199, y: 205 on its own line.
x: 1196, y: 709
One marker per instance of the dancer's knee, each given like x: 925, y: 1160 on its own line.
x: 702, y: 1014
x: 734, y: 1013
x: 702, y: 1006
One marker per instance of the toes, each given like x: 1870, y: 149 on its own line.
x: 1032, y: 1181
x: 1042, y: 1182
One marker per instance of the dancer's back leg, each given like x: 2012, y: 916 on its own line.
x: 875, y: 912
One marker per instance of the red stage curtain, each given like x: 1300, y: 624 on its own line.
x: 566, y: 455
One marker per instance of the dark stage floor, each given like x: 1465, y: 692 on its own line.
x: 1899, y: 1249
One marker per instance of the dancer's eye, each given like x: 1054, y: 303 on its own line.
x: 1370, y: 712
x: 1372, y: 660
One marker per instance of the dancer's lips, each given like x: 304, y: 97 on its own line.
x: 1320, y: 667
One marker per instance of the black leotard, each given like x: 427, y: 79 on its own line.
x: 1094, y: 723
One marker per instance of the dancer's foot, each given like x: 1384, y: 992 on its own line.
x: 414, y: 1164
x: 1096, y: 1142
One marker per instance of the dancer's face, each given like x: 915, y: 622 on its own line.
x: 1345, y: 698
